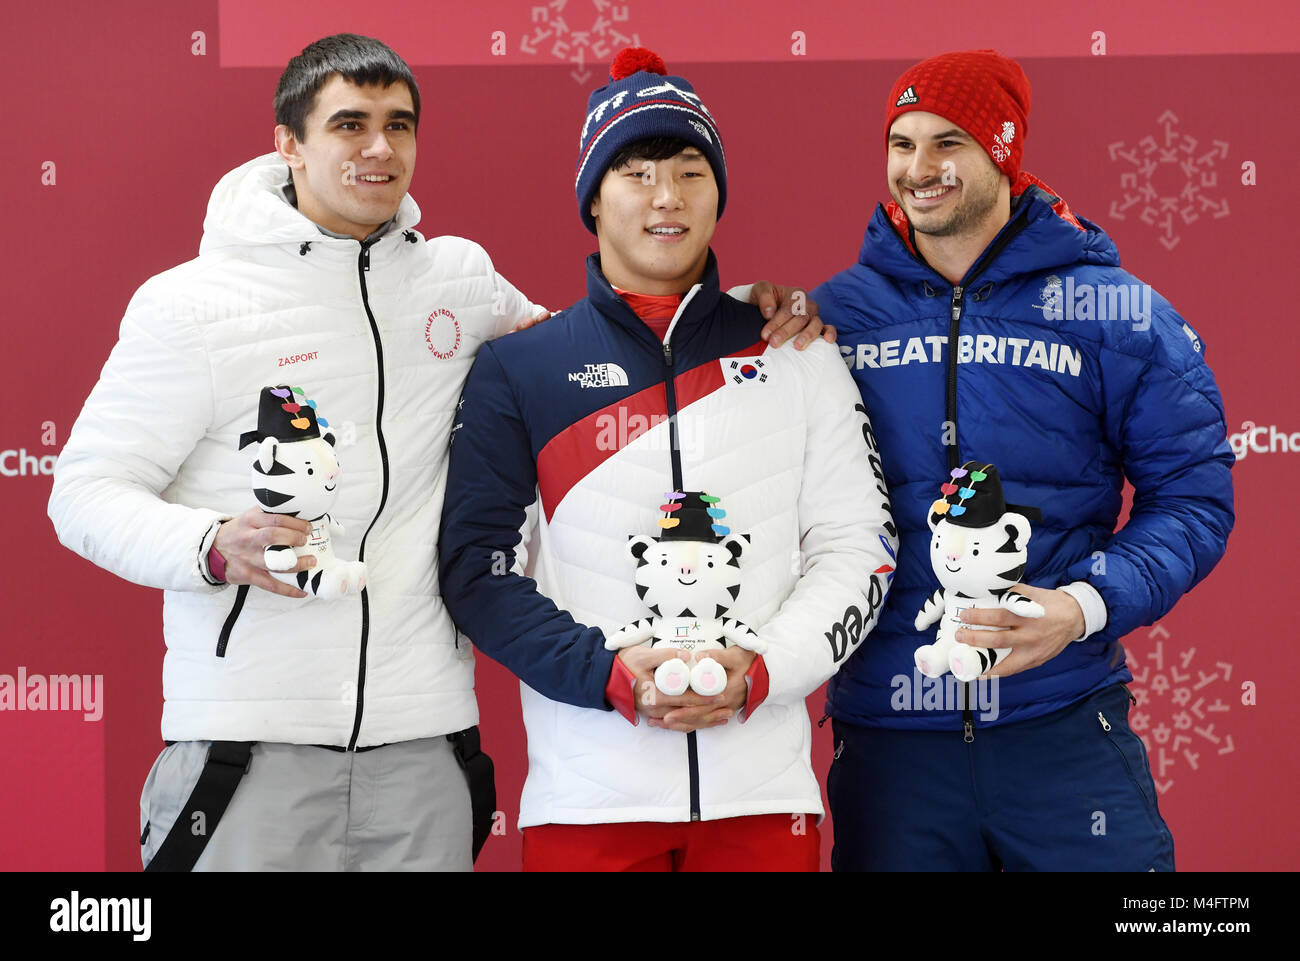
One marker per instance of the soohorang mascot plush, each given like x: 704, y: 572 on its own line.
x: 295, y: 473
x: 689, y: 577
x: 979, y: 549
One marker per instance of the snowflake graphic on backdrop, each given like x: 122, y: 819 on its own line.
x: 1173, y: 180
x: 602, y: 37
x: 1180, y: 712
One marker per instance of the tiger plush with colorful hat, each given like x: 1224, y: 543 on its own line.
x: 689, y: 577
x: 296, y: 472
x: 978, y: 551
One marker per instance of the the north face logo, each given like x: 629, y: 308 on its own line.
x: 600, y: 375
x: 909, y: 96
x: 703, y: 130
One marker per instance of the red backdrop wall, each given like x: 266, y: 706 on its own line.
x: 121, y: 117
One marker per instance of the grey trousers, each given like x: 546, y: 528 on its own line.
x: 401, y: 807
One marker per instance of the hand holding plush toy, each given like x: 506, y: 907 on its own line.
x: 689, y: 577
x: 978, y: 551
x: 296, y: 473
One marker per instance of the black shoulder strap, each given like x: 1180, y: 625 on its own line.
x: 482, y: 782
x: 226, y: 764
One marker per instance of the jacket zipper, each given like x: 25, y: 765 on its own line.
x: 692, y: 747
x: 954, y: 326
x: 1128, y: 768
x: 1009, y: 233
x: 1150, y: 798
x: 950, y: 406
x: 363, y: 266
x: 954, y: 460
x: 671, y: 388
x: 224, y: 637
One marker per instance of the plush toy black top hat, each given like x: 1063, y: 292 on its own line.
x: 692, y: 516
x: 286, y: 414
x: 973, y: 497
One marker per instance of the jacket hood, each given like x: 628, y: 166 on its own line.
x: 1046, y: 234
x: 248, y: 208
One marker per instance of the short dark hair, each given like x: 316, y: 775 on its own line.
x: 361, y: 60
x: 652, y: 148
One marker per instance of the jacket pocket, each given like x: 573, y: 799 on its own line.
x: 1134, y: 761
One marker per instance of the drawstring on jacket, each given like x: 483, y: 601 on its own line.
x: 408, y: 235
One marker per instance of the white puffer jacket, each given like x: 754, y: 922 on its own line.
x: 382, y: 339
x: 586, y: 421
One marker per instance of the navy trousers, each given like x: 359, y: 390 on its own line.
x: 1068, y: 791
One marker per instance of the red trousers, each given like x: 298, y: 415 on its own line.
x: 761, y: 842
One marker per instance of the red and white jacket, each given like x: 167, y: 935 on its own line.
x: 568, y: 438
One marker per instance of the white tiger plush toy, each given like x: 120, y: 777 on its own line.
x: 978, y: 551
x: 689, y: 577
x: 296, y: 472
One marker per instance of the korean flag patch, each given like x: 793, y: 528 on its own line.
x: 743, y: 371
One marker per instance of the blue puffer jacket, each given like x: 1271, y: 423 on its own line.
x: 1068, y: 391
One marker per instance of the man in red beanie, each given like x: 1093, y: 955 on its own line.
x: 985, y: 321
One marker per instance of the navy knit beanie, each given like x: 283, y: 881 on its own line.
x: 639, y: 102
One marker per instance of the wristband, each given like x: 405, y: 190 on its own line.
x: 216, y: 564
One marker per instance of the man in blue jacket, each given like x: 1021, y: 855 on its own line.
x: 984, y: 320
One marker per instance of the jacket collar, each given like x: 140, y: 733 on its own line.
x: 698, y: 303
x: 291, y: 195
x: 1045, y: 234
x: 248, y: 208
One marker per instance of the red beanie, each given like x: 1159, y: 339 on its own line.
x: 981, y: 91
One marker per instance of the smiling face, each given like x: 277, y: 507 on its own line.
x: 673, y: 576
x: 944, y: 181
x: 654, y: 220
x: 354, y: 165
x: 976, y: 561
x: 296, y: 477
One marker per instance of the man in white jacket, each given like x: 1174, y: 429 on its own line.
x: 568, y: 437
x: 310, y: 274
